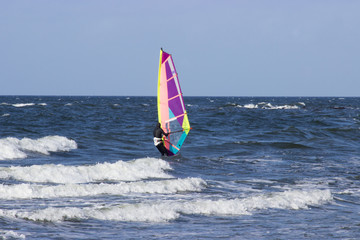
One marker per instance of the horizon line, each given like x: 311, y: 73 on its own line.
x: 245, y: 96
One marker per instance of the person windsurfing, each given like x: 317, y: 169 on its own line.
x: 158, y: 142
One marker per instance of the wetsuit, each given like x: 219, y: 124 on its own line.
x: 158, y: 134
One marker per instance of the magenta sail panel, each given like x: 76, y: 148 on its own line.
x: 164, y: 57
x: 176, y: 107
x: 172, y: 90
x: 169, y: 74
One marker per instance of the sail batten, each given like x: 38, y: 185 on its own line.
x: 171, y: 109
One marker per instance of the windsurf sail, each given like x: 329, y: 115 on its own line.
x: 171, y: 109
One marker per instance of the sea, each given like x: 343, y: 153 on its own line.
x: 78, y: 167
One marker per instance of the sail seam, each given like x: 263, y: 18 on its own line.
x: 172, y: 119
x: 167, y: 59
x: 175, y: 97
x: 175, y: 75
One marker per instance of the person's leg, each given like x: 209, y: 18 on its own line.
x: 163, y: 150
x: 160, y: 149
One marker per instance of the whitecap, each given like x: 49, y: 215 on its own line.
x: 251, y: 106
x: 135, y: 170
x: 284, y: 107
x: 14, y: 148
x: 302, y: 103
x: 169, y: 186
x: 155, y: 211
x: 275, y: 107
x: 18, y: 105
x: 11, y: 235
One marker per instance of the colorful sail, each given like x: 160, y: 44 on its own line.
x: 171, y: 109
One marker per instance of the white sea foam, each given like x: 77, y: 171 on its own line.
x: 19, y: 105
x: 302, y: 103
x: 285, y: 107
x: 270, y: 106
x: 5, y: 115
x: 11, y: 235
x: 264, y: 105
x: 29, y: 191
x: 171, y: 209
x: 23, y: 104
x: 351, y: 191
x: 138, y: 169
x: 251, y: 106
x: 13, y: 148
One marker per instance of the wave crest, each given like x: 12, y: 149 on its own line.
x: 14, y: 148
x: 172, y: 209
x: 143, y: 168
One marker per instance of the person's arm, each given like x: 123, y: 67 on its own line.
x: 166, y: 134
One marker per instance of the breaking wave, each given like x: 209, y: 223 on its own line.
x: 11, y: 235
x: 143, y: 168
x: 30, y: 191
x: 20, y: 105
x: 14, y: 148
x: 264, y: 105
x: 172, y: 209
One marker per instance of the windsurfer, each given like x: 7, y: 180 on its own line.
x: 158, y: 134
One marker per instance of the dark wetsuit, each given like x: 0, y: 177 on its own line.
x: 158, y: 134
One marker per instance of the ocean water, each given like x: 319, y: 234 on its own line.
x: 251, y: 168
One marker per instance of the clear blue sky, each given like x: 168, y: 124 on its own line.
x: 220, y: 48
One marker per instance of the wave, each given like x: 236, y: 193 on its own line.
x: 279, y: 145
x: 263, y: 105
x: 20, y: 105
x: 13, y: 148
x: 23, y: 104
x: 11, y: 235
x: 30, y: 191
x: 143, y: 168
x: 172, y: 209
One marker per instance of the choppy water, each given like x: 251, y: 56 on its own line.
x: 251, y: 168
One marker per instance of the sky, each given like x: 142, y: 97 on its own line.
x: 220, y: 47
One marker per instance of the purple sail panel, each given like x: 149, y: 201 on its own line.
x: 168, y: 71
x: 180, y: 120
x: 172, y: 90
x: 176, y: 107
